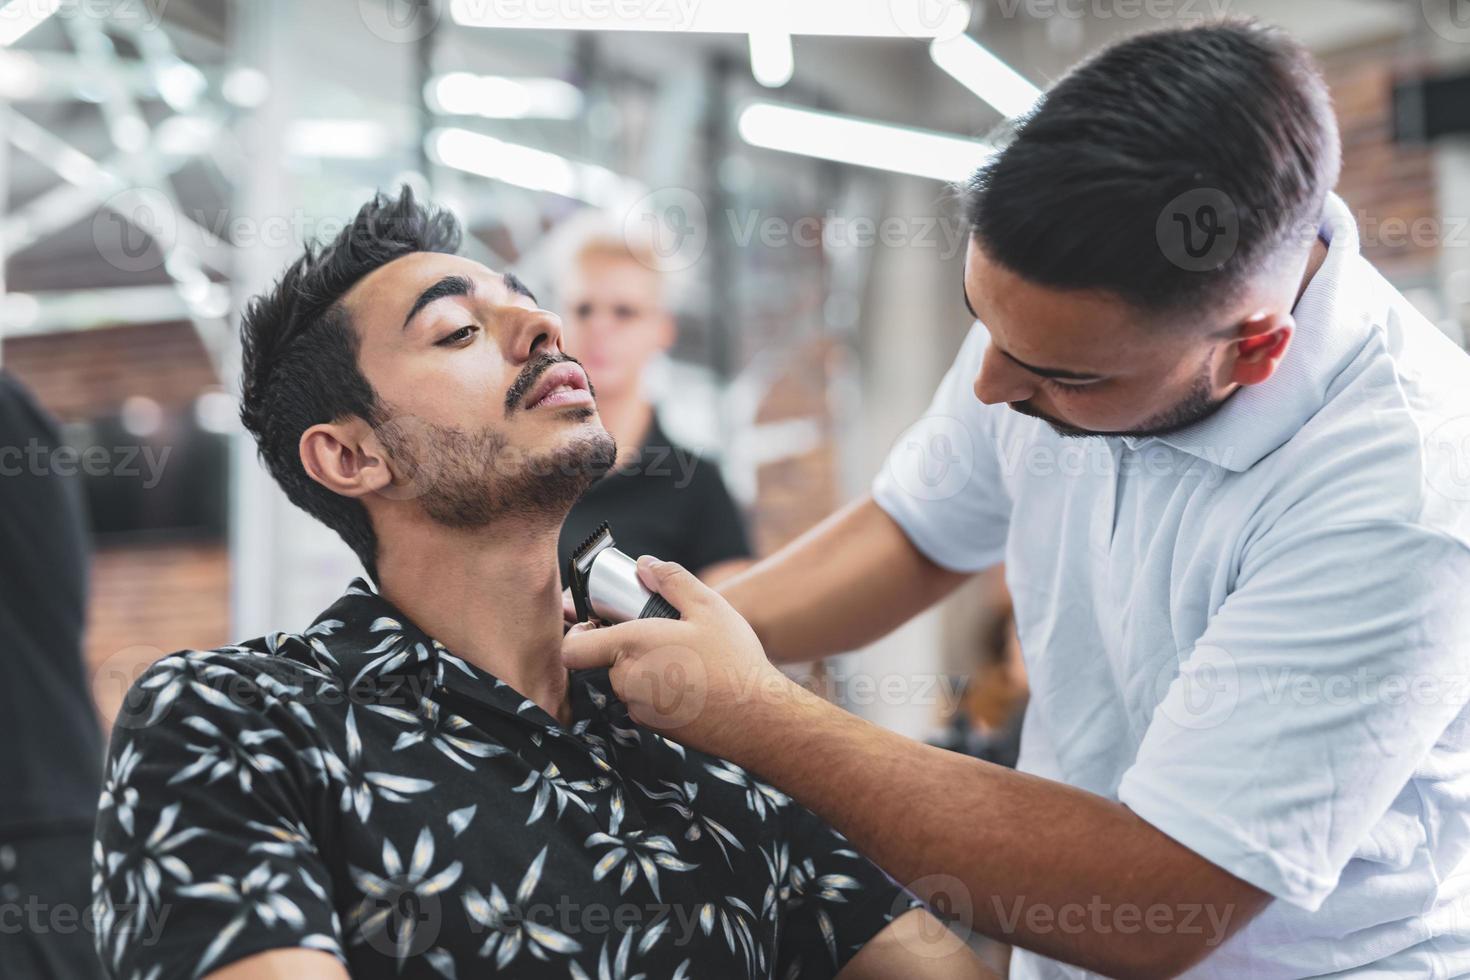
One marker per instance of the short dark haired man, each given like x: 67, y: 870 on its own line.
x: 414, y: 786
x: 1241, y: 600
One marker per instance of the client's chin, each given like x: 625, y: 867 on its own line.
x: 583, y: 460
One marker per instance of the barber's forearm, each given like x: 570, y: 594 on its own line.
x: 1045, y: 866
x: 848, y: 581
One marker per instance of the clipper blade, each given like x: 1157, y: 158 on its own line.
x: 579, y: 565
x: 589, y: 546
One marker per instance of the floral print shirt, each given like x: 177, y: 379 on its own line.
x: 360, y: 790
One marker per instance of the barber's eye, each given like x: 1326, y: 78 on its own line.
x: 1064, y: 386
x: 458, y: 337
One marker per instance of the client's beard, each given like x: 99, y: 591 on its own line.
x: 1196, y: 406
x: 468, y: 480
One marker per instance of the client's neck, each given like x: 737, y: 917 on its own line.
x: 491, y: 596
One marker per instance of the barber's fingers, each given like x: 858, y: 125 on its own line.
x: 586, y: 646
x: 568, y: 607
x: 675, y: 583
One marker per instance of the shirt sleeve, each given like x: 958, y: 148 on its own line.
x: 202, y: 855
x: 1316, y: 691
x: 941, y: 481
x: 716, y: 531
x: 833, y: 900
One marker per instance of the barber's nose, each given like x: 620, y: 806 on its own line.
x: 1001, y: 381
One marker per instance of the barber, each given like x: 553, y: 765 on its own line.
x: 1244, y: 605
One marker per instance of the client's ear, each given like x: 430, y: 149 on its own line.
x: 345, y: 457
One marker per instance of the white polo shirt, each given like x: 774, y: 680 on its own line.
x: 1254, y: 632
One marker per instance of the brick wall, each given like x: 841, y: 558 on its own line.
x: 1390, y: 187
x: 86, y: 374
x: 149, y: 600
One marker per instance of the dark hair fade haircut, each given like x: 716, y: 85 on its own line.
x: 300, y: 351
x: 1230, y: 114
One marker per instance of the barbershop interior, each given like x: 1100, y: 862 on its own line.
x: 745, y: 221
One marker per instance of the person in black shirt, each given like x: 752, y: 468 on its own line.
x: 51, y: 761
x: 414, y: 786
x: 662, y: 499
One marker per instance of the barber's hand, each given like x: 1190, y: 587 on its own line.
x: 687, y: 677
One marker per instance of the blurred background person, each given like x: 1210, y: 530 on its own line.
x: 662, y: 498
x: 50, y: 746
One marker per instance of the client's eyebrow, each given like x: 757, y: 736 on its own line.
x: 448, y: 286
x: 1043, y: 372
x: 516, y: 286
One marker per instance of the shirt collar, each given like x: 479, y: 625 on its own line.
x: 1333, y: 319
x: 377, y: 652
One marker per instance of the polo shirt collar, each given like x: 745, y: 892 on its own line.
x: 1333, y: 319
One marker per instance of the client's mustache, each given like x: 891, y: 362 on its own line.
x: 531, y: 373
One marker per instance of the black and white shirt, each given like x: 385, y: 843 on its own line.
x: 358, y: 789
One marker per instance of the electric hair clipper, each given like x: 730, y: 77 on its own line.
x: 605, y: 584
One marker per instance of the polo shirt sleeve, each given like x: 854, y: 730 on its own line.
x: 202, y: 856
x: 1316, y: 691
x: 832, y: 899
x: 941, y: 482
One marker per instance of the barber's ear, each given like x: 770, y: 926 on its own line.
x: 345, y: 457
x: 1259, y: 347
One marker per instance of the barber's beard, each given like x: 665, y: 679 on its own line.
x: 1196, y: 406
x: 468, y: 480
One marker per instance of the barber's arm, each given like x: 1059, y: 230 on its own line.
x: 1253, y: 793
x: 1036, y: 863
x: 848, y: 581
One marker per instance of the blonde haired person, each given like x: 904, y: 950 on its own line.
x: 661, y: 498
